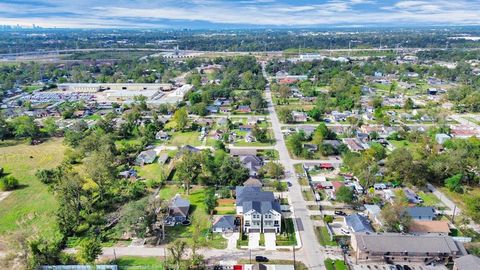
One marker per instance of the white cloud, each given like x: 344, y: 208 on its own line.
x: 144, y: 13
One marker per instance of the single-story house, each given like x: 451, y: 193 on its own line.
x: 429, y: 226
x: 162, y: 135
x: 299, y: 116
x: 145, y: 157
x: 310, y: 147
x: 226, y: 223
x: 178, y: 208
x: 421, y: 212
x: 236, y: 152
x: 244, y: 109
x: 357, y: 223
x: 247, y: 128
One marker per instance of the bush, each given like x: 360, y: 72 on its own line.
x: 8, y: 183
x: 328, y: 219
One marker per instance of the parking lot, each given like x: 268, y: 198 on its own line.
x: 413, y: 266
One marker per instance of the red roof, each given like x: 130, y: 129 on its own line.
x: 337, y: 185
x: 326, y: 166
x: 288, y: 81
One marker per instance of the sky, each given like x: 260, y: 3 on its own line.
x: 236, y: 13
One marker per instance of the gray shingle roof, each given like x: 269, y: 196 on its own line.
x: 468, y: 262
x: 397, y: 242
x: 421, y: 211
x: 225, y: 222
x: 358, y: 223
x: 254, y: 198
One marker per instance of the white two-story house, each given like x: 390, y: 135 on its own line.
x: 260, y: 210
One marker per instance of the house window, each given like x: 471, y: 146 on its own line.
x: 275, y: 222
x: 247, y: 223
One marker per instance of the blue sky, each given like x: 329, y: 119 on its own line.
x: 237, y: 13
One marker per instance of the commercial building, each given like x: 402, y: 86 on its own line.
x: 397, y: 247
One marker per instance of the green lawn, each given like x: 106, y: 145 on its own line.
x: 132, y: 262
x: 307, y: 195
x: 335, y: 264
x: 198, y: 215
x: 225, y: 207
x: 287, y: 236
x: 152, y: 171
x: 184, y: 138
x: 323, y: 236
x: 33, y: 199
x: 429, y: 199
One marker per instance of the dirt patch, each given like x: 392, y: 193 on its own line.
x: 4, y: 194
x: 225, y: 201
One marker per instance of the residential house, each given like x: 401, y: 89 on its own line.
x: 357, y: 223
x: 467, y: 262
x: 162, y: 135
x: 332, y: 192
x: 178, y: 208
x: 244, y: 109
x: 429, y: 226
x: 260, y: 210
x: 398, y: 247
x: 373, y: 211
x: 237, y: 152
x: 307, y: 130
x: 355, y: 144
x: 310, y: 147
x: 246, y: 128
x: 227, y: 223
x: 163, y: 158
x: 252, y: 120
x: 299, y: 116
x: 213, y: 109
x: 441, y: 138
x: 145, y: 157
x: 252, y: 163
x: 225, y: 109
x: 253, y: 182
x: 421, y: 212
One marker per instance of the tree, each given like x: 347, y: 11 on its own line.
x: 177, y: 249
x: 295, y: 143
x: 409, y: 105
x: 4, y: 130
x: 49, y: 126
x: 285, y: 115
x: 180, y: 117
x: 454, y: 183
x: 24, y: 126
x: 210, y: 201
x: 89, y: 250
x: 395, y: 217
x: 344, y: 194
x: 273, y: 170
x: 8, y: 183
x: 284, y: 92
x: 188, y: 169
x: 260, y: 134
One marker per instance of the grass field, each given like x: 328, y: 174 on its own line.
x: 144, y: 263
x: 323, y: 236
x: 429, y: 199
x: 33, y: 199
x: 225, y: 207
x: 184, y: 138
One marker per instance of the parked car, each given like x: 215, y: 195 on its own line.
x: 289, y: 184
x: 340, y: 213
x: 261, y: 259
x: 399, y: 267
x: 406, y: 267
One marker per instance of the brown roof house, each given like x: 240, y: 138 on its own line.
x: 427, y: 226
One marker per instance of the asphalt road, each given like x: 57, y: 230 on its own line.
x: 311, y: 252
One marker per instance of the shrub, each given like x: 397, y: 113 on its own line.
x: 8, y: 183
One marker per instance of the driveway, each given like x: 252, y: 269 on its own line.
x: 270, y: 241
x: 232, y: 240
x: 254, y: 240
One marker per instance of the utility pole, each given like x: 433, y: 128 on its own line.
x: 250, y: 250
x: 294, y: 261
x: 453, y: 214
